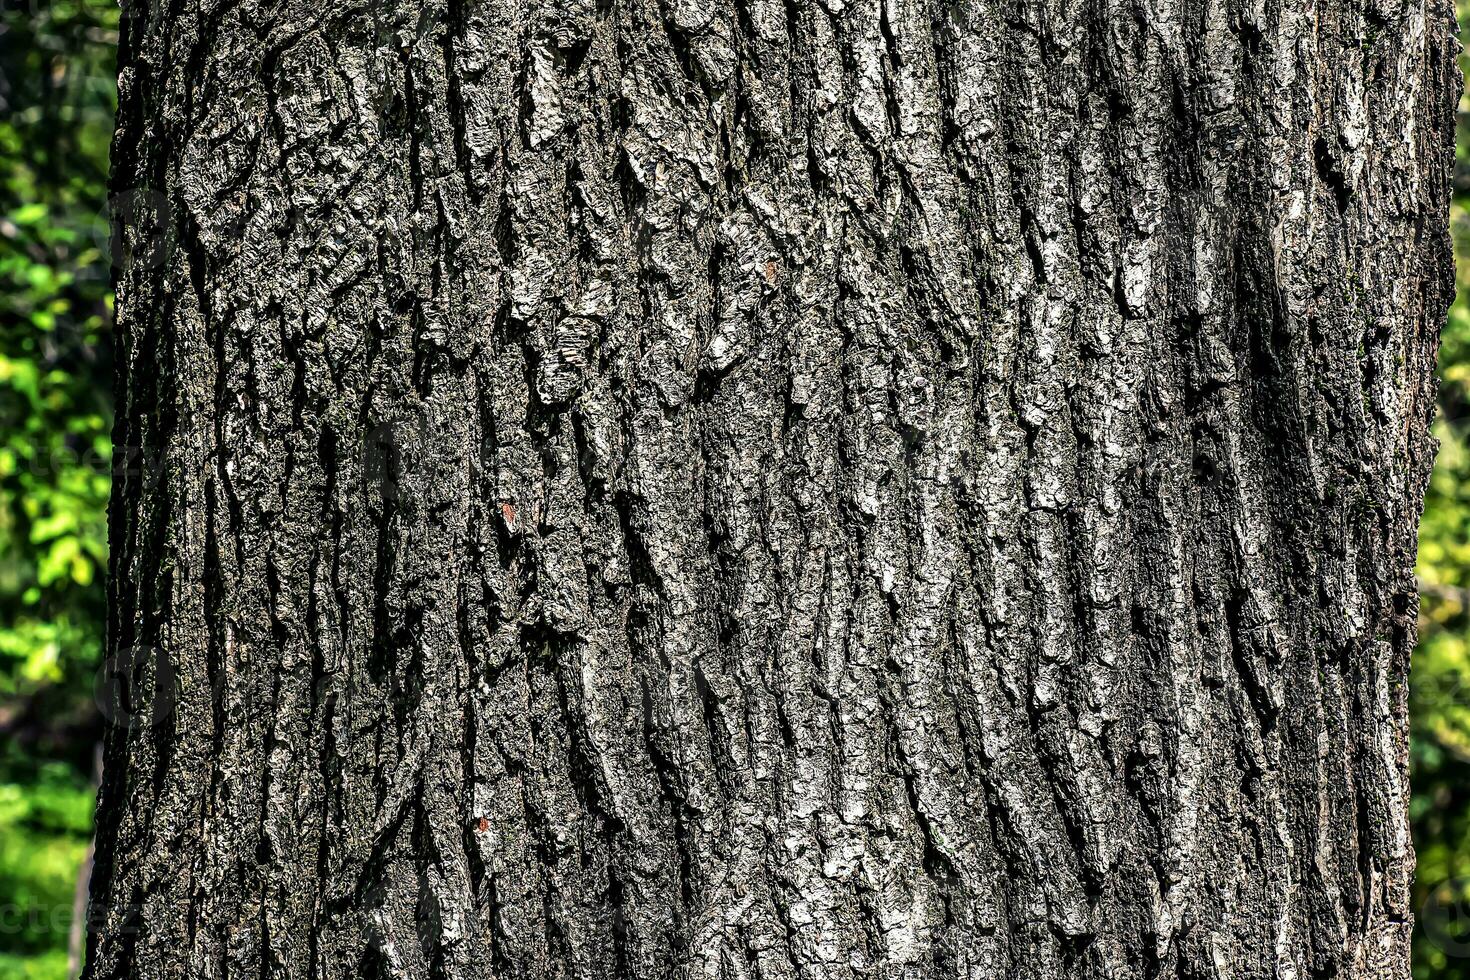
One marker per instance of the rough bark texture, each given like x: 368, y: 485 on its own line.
x: 772, y: 488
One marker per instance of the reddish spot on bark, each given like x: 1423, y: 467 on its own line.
x: 508, y: 511
x: 771, y: 270
x: 482, y: 825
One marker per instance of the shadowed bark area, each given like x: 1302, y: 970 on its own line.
x: 773, y: 488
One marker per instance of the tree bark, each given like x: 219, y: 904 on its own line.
x: 753, y: 489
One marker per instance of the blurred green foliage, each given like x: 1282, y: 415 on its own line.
x: 1439, y: 689
x: 56, y: 109
x: 57, y: 100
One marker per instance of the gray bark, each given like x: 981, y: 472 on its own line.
x: 755, y: 489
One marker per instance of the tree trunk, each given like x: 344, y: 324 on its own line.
x: 757, y: 489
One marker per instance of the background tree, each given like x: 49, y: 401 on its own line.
x: 821, y: 488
